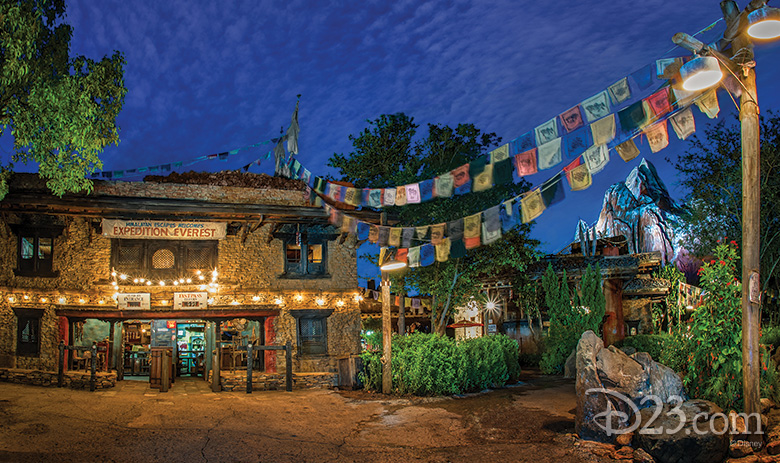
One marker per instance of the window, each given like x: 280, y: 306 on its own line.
x: 312, y: 265
x: 312, y: 330
x: 28, y: 331
x: 35, y: 255
x: 163, y: 259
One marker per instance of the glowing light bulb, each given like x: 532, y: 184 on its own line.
x: 113, y: 274
x: 43, y: 299
x: 162, y: 283
x: 320, y: 301
x: 61, y: 300
x: 11, y: 299
x: 123, y: 277
x: 255, y: 298
x: 189, y: 280
x: 148, y: 282
x: 26, y: 297
x: 299, y: 297
x: 141, y: 280
x: 340, y: 303
x: 81, y: 301
x: 135, y: 280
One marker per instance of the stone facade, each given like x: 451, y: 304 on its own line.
x: 250, y: 264
x: 277, y: 382
x: 71, y: 379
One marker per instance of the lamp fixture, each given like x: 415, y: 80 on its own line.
x: 700, y: 73
x: 392, y: 264
x: 764, y: 23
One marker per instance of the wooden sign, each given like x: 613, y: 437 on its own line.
x: 130, y: 301
x: 190, y: 301
x: 163, y: 230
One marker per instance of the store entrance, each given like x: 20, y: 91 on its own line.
x: 185, y: 339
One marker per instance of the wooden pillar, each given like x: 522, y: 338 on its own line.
x: 215, y: 376
x: 118, y: 353
x: 208, y: 349
x: 401, y: 313
x: 64, y: 327
x: 751, y: 222
x: 270, y: 339
x: 614, y: 326
x: 387, y: 374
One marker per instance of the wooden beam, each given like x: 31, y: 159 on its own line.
x: 211, y: 314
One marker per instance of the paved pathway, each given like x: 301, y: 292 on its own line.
x: 192, y: 424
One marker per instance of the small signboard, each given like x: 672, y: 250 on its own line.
x: 190, y: 301
x: 754, y: 288
x: 163, y: 230
x: 130, y: 301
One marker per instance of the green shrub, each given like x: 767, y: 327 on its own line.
x: 653, y: 344
x: 770, y: 336
x: 429, y: 364
x: 675, y: 350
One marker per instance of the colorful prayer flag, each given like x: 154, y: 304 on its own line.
x: 484, y: 180
x: 571, y: 119
x: 532, y: 205
x: 596, y: 158
x: 421, y: 232
x: 603, y: 130
x: 407, y: 234
x: 460, y: 175
x: 395, y: 237
x: 708, y: 103
x: 427, y: 255
x: 373, y: 233
x: 577, y: 142
x: 375, y: 197
x: 627, y: 150
x: 633, y: 117
x: 683, y: 123
x: 522, y: 143
x: 443, y: 250
x: 550, y: 154
x: 443, y: 185
x: 619, y: 91
x: 508, y: 220
x: 413, y: 258
x: 472, y: 225
x: 657, y: 136
x: 455, y: 229
x: 413, y: 193
x: 363, y: 230
x: 525, y: 163
x: 400, y: 196
x: 659, y: 102
x: 552, y: 190
x: 383, y: 236
x: 426, y: 190
x: 579, y: 178
x: 666, y: 68
x: 596, y: 107
x: 491, y: 227
x: 390, y: 196
x: 499, y: 154
x: 437, y: 233
x: 546, y: 132
x: 644, y: 77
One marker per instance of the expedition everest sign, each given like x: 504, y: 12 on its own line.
x: 162, y: 230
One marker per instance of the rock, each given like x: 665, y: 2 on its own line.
x: 766, y: 404
x: 640, y: 456
x: 623, y: 453
x: 625, y: 439
x: 628, y: 350
x: 619, y: 372
x: 747, y: 459
x: 739, y: 449
x: 736, y: 424
x: 596, y: 448
x: 773, y: 448
x: 570, y: 367
x: 664, y: 382
x: 695, y: 440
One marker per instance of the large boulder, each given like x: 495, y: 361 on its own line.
x: 693, y: 439
x: 662, y: 381
x: 570, y: 367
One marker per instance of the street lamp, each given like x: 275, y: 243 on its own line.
x: 756, y: 21
x: 386, y: 265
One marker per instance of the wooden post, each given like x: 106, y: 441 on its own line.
x: 165, y: 370
x: 614, y: 327
x: 288, y: 367
x: 751, y: 217
x: 387, y: 378
x: 208, y: 349
x: 249, y: 362
x: 401, y: 314
x: 215, y: 376
x: 92, y: 367
x: 61, y: 365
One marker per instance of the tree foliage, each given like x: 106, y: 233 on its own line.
x: 572, y: 311
x: 60, y: 110
x: 389, y: 152
x: 712, y: 173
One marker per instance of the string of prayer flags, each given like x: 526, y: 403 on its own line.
x: 426, y: 190
x: 460, y: 176
x: 659, y: 102
x: 443, y: 250
x: 375, y: 197
x: 708, y: 104
x: 395, y: 237
x: 427, y: 254
x: 546, y: 132
x: 508, y: 219
x: 502, y: 172
x: 384, y: 235
x: 483, y: 180
x: 532, y: 205
x: 437, y: 233
x: 523, y: 143
x: 525, y: 163
x: 577, y: 142
x: 413, y: 193
x: 619, y: 91
x: 491, y: 227
x: 579, y: 178
x: 657, y: 136
x: 407, y: 233
x: 683, y: 123
x: 472, y: 225
x: 413, y: 258
x: 402, y: 254
x: 455, y: 229
x: 400, y: 196
x: 603, y: 130
x: 552, y: 190
x: 571, y: 119
x: 644, y: 77
x: 627, y: 150
x: 421, y: 232
x: 596, y: 158
x: 443, y: 185
x: 596, y: 107
x: 633, y: 117
x: 549, y: 154
x: 499, y: 154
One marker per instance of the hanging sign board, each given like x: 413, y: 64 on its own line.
x: 163, y: 230
x: 134, y: 301
x: 190, y: 300
x: 754, y: 288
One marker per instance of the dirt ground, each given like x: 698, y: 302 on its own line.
x: 529, y: 422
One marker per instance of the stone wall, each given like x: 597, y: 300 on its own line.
x: 276, y: 382
x: 71, y: 379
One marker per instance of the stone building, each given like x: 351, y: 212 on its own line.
x: 185, y: 261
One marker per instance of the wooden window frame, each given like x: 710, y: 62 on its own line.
x: 181, y: 250
x: 305, y: 269
x: 306, y: 347
x: 23, y: 317
x: 36, y: 267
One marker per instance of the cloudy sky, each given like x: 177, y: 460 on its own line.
x: 206, y: 77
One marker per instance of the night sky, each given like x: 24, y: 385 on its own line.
x: 208, y: 77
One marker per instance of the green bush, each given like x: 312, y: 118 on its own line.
x: 770, y: 336
x: 428, y: 364
x: 675, y: 350
x: 653, y: 344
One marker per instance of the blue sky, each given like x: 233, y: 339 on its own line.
x: 207, y: 77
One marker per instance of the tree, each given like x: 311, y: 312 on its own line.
x: 388, y: 153
x: 712, y: 172
x: 61, y: 110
